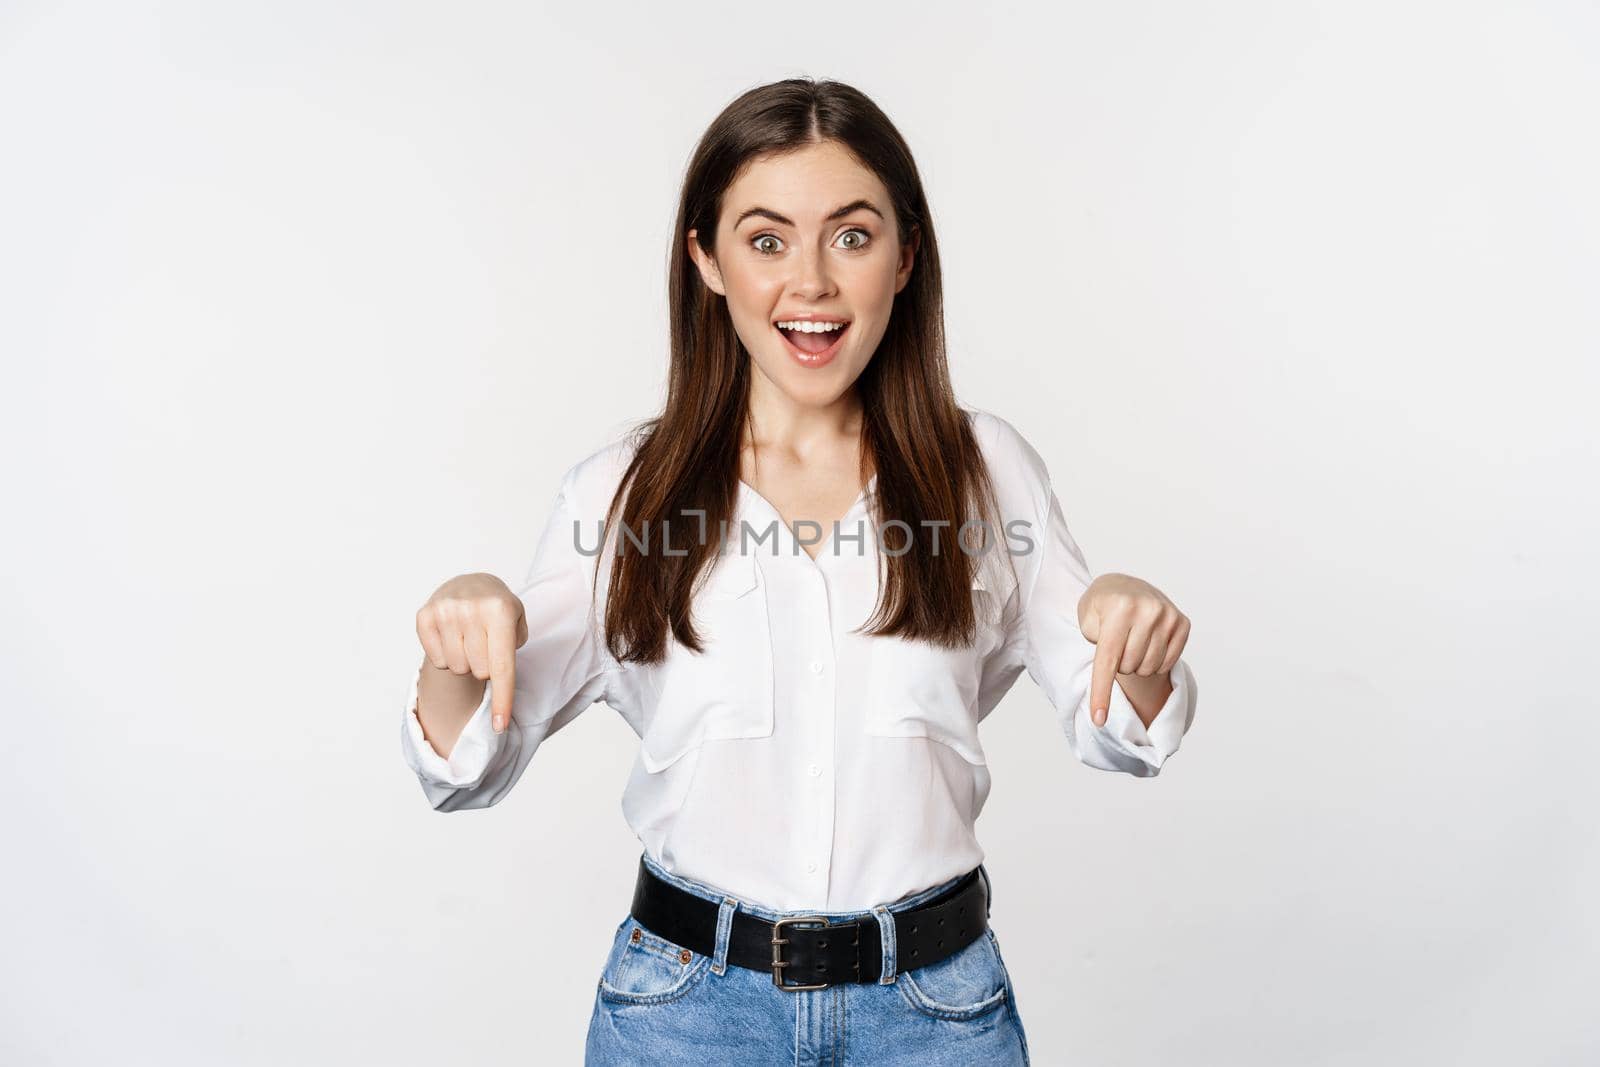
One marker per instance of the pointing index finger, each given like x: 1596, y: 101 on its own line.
x: 1107, y: 656
x: 502, y: 671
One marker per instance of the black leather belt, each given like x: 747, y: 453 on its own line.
x: 800, y: 953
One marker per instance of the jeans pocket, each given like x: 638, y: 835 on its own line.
x: 644, y: 968
x: 968, y: 985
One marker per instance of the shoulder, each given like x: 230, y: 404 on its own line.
x: 1019, y: 473
x: 589, y: 484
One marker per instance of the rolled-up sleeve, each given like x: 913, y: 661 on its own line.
x: 562, y: 669
x: 1061, y: 661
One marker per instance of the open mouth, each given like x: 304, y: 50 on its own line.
x: 813, y: 343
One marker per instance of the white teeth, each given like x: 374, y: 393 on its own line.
x: 812, y: 327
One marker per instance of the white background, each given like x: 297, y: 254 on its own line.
x: 305, y: 307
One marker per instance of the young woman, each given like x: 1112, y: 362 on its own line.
x: 791, y: 584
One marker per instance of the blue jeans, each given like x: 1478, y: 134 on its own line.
x: 657, y: 1002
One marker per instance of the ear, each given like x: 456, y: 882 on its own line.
x: 708, y: 266
x: 908, y: 256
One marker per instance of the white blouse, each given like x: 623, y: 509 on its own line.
x: 796, y: 764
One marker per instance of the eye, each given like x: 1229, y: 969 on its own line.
x: 861, y: 243
x: 756, y: 242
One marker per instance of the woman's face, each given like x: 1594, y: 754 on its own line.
x: 808, y: 235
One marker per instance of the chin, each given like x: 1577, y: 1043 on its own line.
x: 807, y: 388
x: 816, y: 391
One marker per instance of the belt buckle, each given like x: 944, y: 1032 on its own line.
x: 779, y: 963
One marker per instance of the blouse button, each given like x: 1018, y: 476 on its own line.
x: 811, y: 866
x: 814, y: 770
x: 816, y: 666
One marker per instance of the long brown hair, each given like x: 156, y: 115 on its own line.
x: 919, y: 442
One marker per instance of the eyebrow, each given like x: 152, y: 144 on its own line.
x: 838, y: 213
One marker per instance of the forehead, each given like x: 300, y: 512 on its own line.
x: 805, y: 184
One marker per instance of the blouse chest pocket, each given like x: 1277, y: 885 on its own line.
x: 916, y: 689
x: 724, y: 692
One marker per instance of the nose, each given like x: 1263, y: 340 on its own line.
x: 812, y: 279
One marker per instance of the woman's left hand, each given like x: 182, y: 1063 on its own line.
x: 1135, y: 629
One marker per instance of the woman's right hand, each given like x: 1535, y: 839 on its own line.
x: 474, y: 624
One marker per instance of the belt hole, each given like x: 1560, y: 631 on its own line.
x: 913, y: 927
x: 941, y: 921
x: 914, y: 952
x: 822, y: 944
